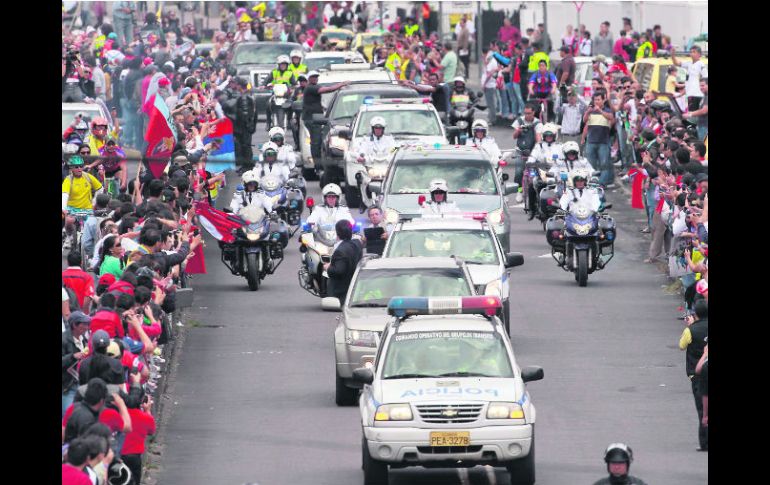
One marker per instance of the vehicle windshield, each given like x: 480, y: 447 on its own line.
x: 334, y: 34
x: 403, y: 122
x: 462, y: 176
x: 346, y: 106
x: 262, y: 54
x: 318, y: 63
x: 446, y: 354
x: 372, y: 39
x: 375, y: 287
x: 67, y: 115
x: 473, y: 246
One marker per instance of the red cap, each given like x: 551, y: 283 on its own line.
x: 147, y: 61
x: 107, y: 279
x: 164, y: 81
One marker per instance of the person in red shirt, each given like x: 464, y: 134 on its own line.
x: 143, y: 425
x: 72, y: 472
x: 78, y: 280
x: 106, y: 318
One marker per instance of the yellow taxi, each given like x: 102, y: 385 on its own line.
x: 368, y: 40
x: 338, y: 37
x: 651, y: 72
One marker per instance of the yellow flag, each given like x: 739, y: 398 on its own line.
x: 244, y: 18
x: 260, y: 8
x: 158, y: 14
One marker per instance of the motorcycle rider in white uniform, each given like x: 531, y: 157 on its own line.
x: 376, y: 144
x: 481, y: 140
x: 270, y: 165
x: 251, y: 194
x: 571, y: 161
x: 580, y: 193
x: 548, y: 150
x: 286, y: 153
x: 438, y: 203
x: 331, y: 211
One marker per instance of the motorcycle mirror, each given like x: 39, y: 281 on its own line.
x: 511, y: 188
x: 375, y: 187
x: 344, y: 134
x: 330, y: 304
x: 506, y: 177
x: 514, y: 259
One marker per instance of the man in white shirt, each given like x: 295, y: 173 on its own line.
x: 489, y: 83
x: 696, y: 70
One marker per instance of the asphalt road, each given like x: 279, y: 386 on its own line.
x: 252, y: 399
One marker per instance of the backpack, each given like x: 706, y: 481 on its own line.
x: 526, y: 140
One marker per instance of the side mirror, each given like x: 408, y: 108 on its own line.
x: 375, y: 187
x: 505, y: 177
x: 364, y: 375
x: 511, y: 188
x: 296, y: 106
x: 608, y: 206
x: 330, y: 304
x: 594, y: 180
x: 320, y: 119
x: 596, y: 173
x: 532, y: 373
x: 344, y: 134
x: 513, y: 259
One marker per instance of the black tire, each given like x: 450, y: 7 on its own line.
x: 343, y: 395
x: 352, y: 196
x: 252, y: 271
x: 375, y: 472
x: 581, y: 272
x: 533, y: 202
x: 523, y: 470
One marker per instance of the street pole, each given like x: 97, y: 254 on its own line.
x: 545, y: 22
x: 480, y: 38
x: 379, y: 8
x: 441, y: 22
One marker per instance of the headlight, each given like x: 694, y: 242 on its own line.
x: 391, y: 216
x: 252, y: 237
x: 495, y: 217
x: 377, y: 171
x: 393, y: 412
x: 361, y: 338
x: 338, y: 143
x: 462, y: 124
x: 582, y: 229
x: 494, y: 288
x: 505, y: 410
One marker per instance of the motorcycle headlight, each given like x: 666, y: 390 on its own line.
x: 505, y: 410
x: 393, y: 412
x: 338, y: 143
x: 252, y: 237
x: 361, y: 338
x: 377, y: 171
x: 495, y: 217
x: 582, y: 229
x: 391, y: 216
x: 462, y: 124
x: 494, y: 288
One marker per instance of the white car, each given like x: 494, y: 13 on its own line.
x: 90, y: 111
x: 445, y: 391
x: 470, y: 239
x: 316, y: 61
x: 412, y: 121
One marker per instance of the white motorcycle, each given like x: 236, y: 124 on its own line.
x: 317, y: 246
x: 280, y: 106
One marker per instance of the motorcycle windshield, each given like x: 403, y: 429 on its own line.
x: 280, y: 90
x: 253, y: 214
x: 580, y: 210
x: 325, y: 233
x: 270, y: 184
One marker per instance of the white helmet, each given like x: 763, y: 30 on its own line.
x: 579, y: 173
x: 296, y: 53
x: 269, y: 146
x: 551, y: 128
x: 438, y: 184
x: 378, y: 121
x: 331, y: 189
x: 570, y: 146
x: 284, y: 59
x: 249, y: 177
x: 459, y: 78
x: 480, y: 124
x: 276, y: 130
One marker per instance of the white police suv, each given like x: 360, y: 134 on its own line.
x: 445, y: 391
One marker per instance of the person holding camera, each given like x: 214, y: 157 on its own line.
x: 73, y: 76
x: 142, y: 425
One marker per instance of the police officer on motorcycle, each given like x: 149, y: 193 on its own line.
x: 296, y: 66
x: 544, y: 151
x: 618, y: 458
x: 571, y: 160
x: 286, y: 153
x: 580, y: 193
x: 331, y: 208
x: 281, y: 75
x: 481, y: 140
x: 270, y: 165
x: 251, y: 195
x: 378, y: 143
x: 438, y: 203
x: 459, y: 88
x: 244, y: 124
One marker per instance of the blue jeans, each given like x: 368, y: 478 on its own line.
x: 67, y: 398
x: 129, y: 115
x: 124, y: 29
x: 490, y: 95
x: 518, y: 101
x: 599, y: 156
x: 505, y: 102
x: 702, y: 130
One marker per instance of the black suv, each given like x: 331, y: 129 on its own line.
x: 255, y: 60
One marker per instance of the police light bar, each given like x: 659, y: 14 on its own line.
x: 403, y: 306
x: 476, y: 216
x: 402, y: 101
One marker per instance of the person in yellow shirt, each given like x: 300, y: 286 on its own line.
x: 77, y: 192
x: 99, y: 134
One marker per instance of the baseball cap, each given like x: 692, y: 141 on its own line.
x: 100, y: 339
x: 164, y: 81
x: 313, y: 73
x: 107, y: 279
x: 78, y: 317
x: 113, y: 350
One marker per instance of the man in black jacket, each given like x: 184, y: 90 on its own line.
x: 344, y: 261
x: 693, y: 342
x: 73, y: 343
x: 244, y: 125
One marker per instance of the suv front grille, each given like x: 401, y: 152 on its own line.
x: 442, y: 450
x: 258, y: 78
x: 449, y: 413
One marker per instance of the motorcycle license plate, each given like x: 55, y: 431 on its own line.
x: 450, y: 438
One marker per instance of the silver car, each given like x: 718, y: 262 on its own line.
x: 363, y: 315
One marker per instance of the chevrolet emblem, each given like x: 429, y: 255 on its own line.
x: 449, y: 413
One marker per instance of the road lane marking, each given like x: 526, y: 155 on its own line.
x: 491, y: 475
x: 463, y: 474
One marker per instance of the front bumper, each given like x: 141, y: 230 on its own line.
x: 493, y: 445
x: 349, y: 358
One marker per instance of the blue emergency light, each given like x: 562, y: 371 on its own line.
x: 368, y: 100
x: 403, y: 306
x: 305, y: 226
